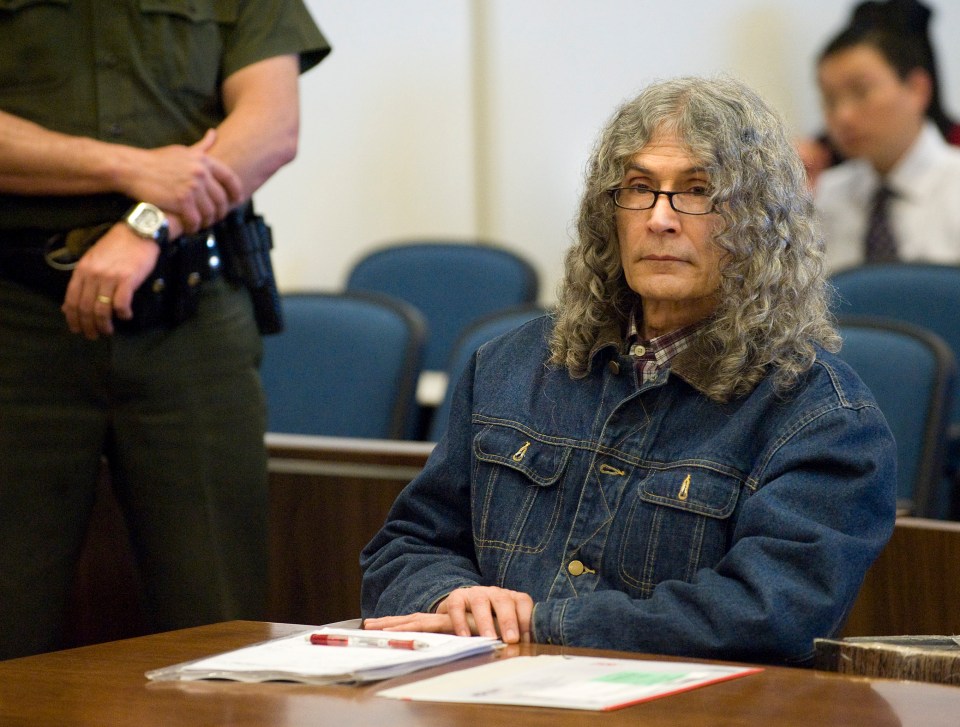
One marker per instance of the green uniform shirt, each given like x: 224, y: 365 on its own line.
x: 141, y: 72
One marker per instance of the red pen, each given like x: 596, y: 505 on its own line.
x: 376, y: 642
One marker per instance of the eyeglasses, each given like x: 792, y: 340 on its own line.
x: 642, y: 198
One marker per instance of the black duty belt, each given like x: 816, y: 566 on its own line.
x: 44, y: 260
x: 238, y: 248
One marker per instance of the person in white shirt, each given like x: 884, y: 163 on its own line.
x: 876, y: 96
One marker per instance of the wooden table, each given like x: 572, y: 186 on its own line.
x: 104, y: 685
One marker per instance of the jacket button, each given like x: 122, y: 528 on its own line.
x: 614, y: 368
x: 575, y: 568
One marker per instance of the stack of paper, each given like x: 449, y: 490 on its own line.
x: 295, y: 658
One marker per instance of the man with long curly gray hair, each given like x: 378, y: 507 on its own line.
x: 771, y: 304
x: 675, y: 462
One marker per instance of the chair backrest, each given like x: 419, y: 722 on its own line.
x: 911, y: 372
x: 923, y: 294
x: 345, y: 365
x: 483, y: 330
x: 452, y: 284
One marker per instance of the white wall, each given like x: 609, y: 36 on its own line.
x: 386, y: 140
x: 473, y: 118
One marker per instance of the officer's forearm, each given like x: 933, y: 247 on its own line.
x: 259, y: 134
x: 35, y: 160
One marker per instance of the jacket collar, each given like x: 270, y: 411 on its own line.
x: 693, y: 365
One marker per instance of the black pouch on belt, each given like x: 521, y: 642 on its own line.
x: 171, y: 293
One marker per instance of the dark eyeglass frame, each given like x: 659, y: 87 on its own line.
x: 615, y: 194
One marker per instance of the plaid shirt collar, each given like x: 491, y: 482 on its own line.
x: 653, y: 356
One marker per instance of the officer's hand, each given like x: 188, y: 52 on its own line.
x: 185, y: 181
x: 103, y: 283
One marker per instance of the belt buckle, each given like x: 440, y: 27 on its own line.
x: 63, y: 250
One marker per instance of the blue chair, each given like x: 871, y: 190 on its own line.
x: 483, y: 330
x: 345, y: 365
x: 452, y: 284
x: 911, y: 372
x: 923, y: 294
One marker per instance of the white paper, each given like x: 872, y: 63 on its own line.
x: 568, y: 682
x: 294, y: 658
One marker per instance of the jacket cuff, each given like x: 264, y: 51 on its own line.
x: 547, y: 621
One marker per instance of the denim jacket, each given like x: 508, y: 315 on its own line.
x: 646, y: 517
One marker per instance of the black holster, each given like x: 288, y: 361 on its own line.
x: 245, y: 241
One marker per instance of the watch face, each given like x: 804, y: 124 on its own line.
x: 147, y: 220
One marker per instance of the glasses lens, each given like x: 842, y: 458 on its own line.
x: 634, y: 199
x: 692, y: 204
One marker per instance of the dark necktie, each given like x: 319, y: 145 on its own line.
x: 881, y: 245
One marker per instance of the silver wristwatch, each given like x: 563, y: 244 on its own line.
x: 148, y: 221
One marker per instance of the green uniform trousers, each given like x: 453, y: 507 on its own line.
x: 180, y: 416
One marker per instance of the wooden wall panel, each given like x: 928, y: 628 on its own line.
x: 914, y: 586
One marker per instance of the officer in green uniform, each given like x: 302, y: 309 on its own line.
x: 128, y: 131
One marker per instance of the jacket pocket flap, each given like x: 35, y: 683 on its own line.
x: 698, y: 490
x: 541, y: 462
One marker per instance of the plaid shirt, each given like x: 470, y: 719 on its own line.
x: 653, y: 356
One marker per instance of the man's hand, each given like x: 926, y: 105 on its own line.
x: 433, y: 623
x: 815, y: 157
x: 476, y: 610
x: 187, y: 182
x: 105, y: 279
x: 512, y: 610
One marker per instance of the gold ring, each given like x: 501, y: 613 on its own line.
x: 104, y: 299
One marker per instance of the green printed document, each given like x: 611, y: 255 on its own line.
x: 567, y: 682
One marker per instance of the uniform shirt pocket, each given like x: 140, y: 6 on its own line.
x: 37, y: 33
x: 183, y: 42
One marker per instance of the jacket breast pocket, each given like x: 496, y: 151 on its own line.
x: 517, y: 489
x: 183, y: 42
x: 679, y: 521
